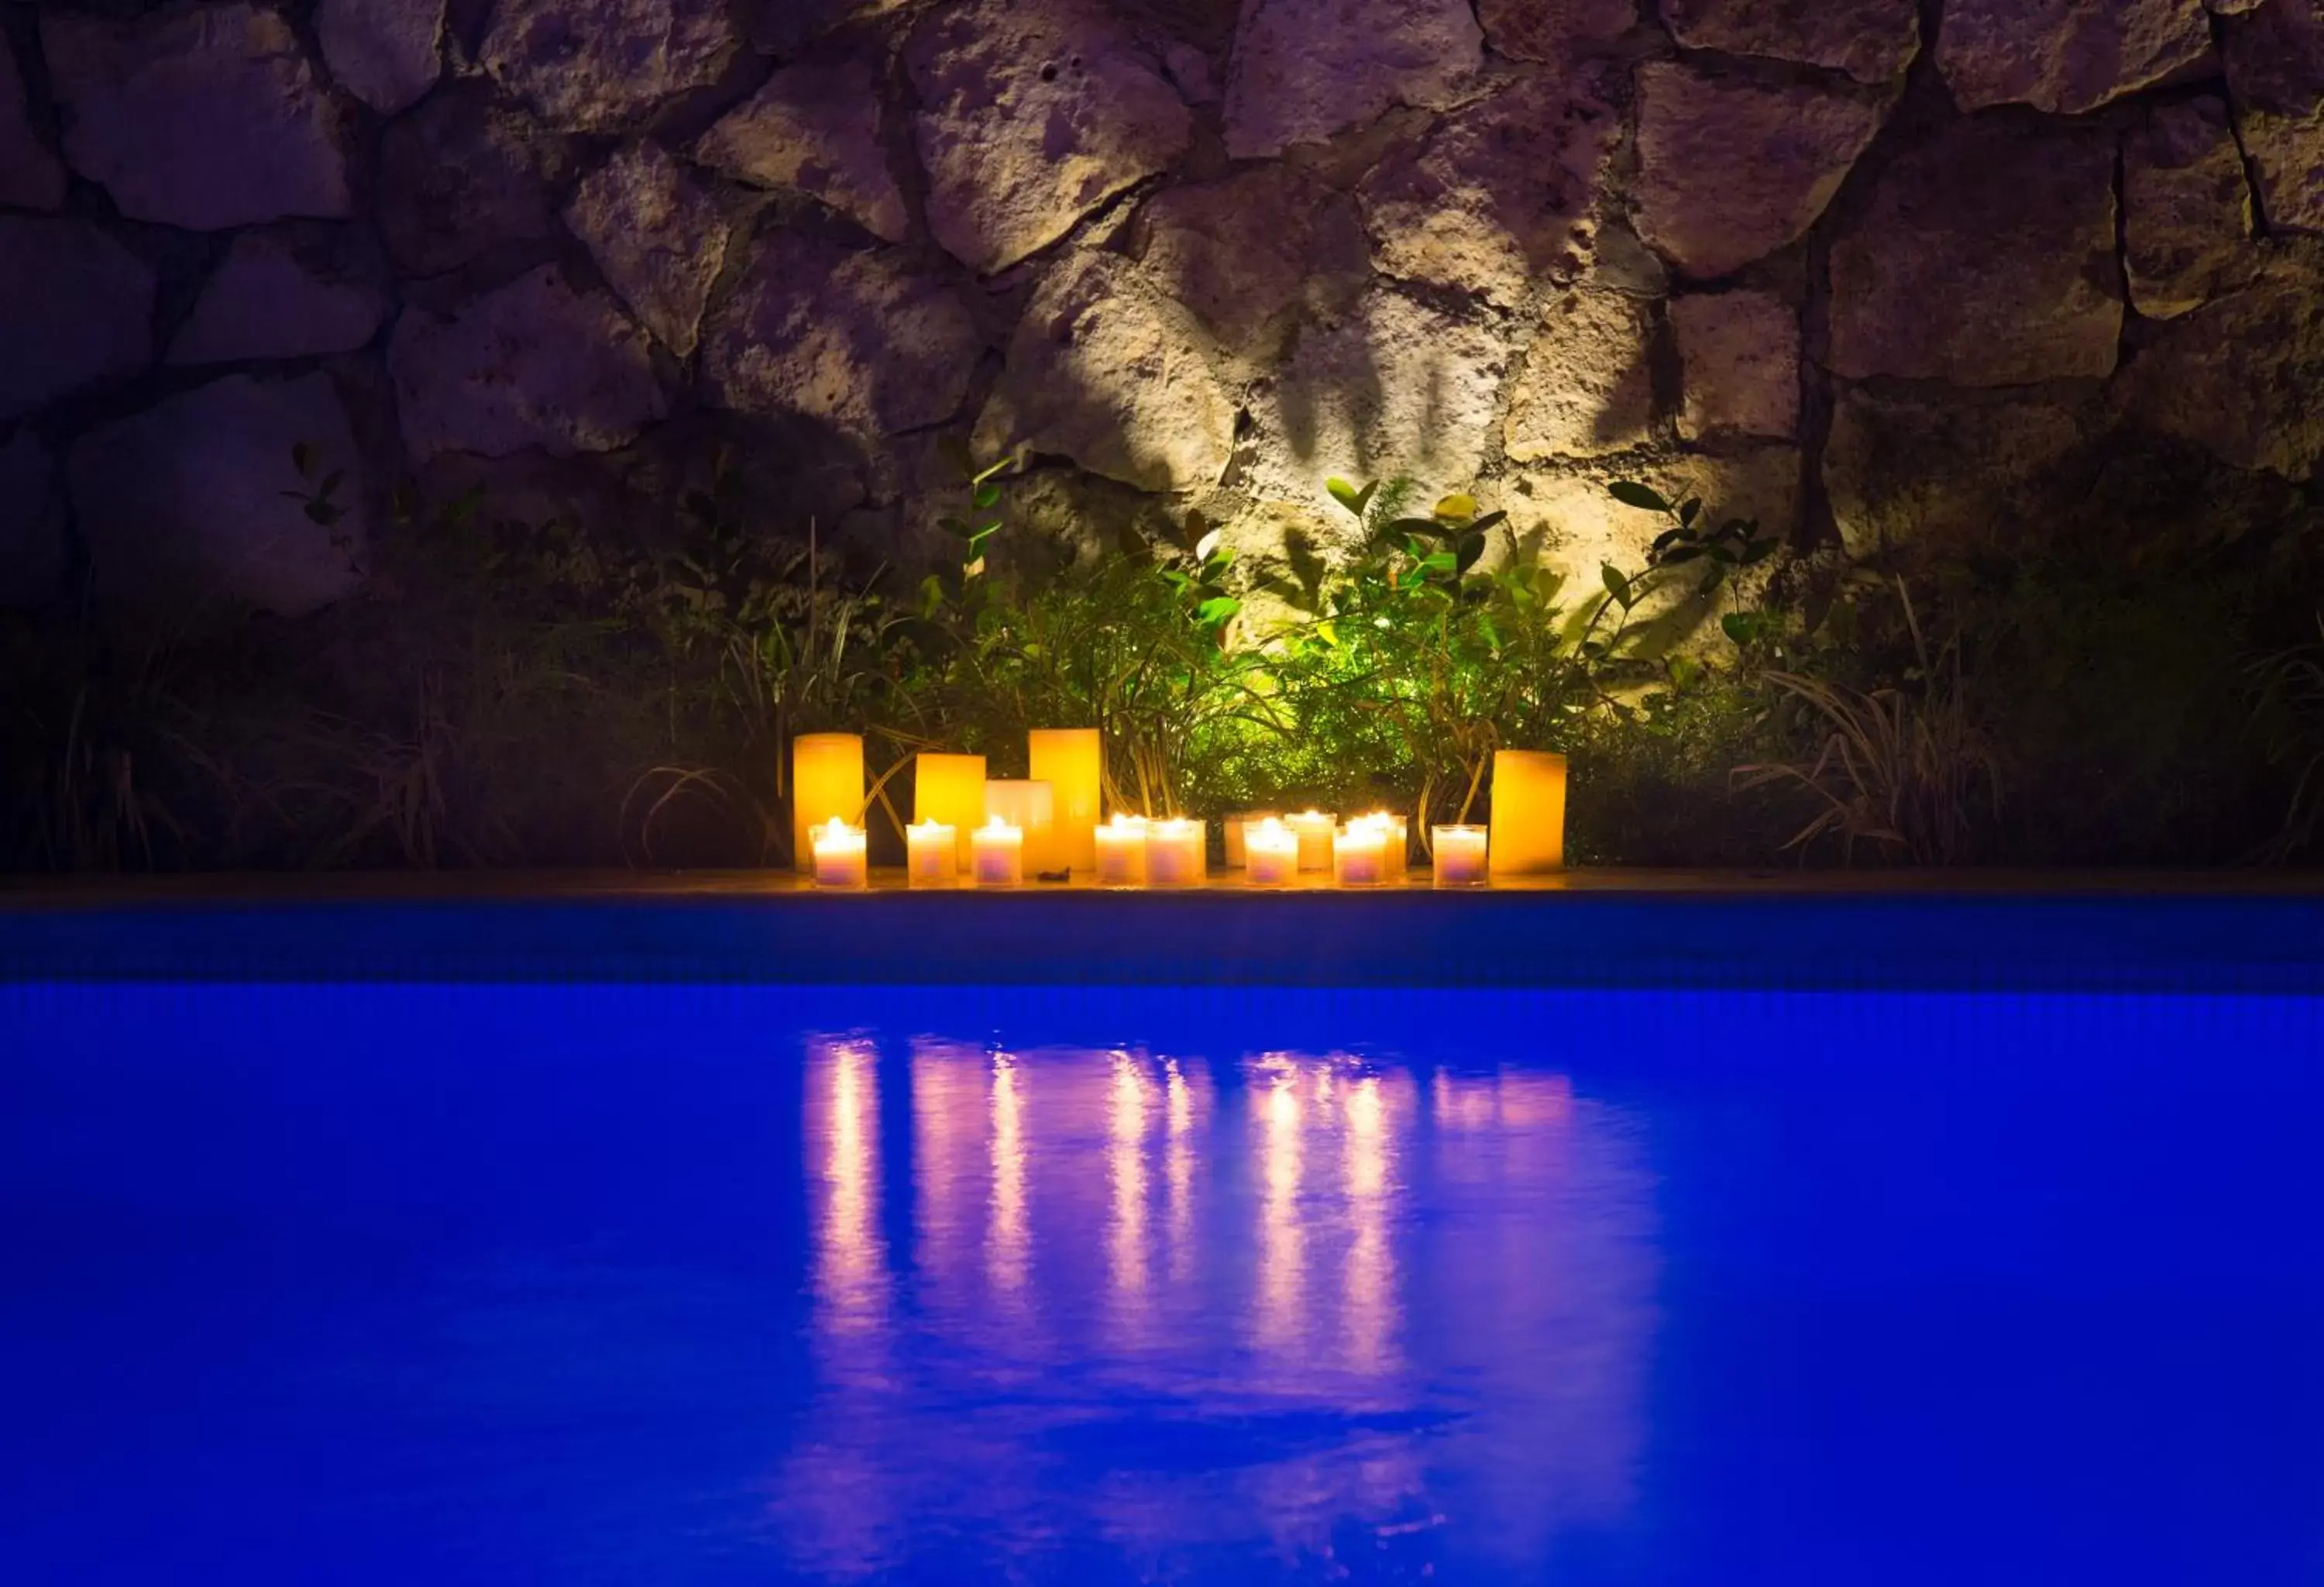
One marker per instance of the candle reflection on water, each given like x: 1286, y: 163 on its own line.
x: 1126, y: 1251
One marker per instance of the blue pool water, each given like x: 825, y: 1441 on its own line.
x: 676, y: 1286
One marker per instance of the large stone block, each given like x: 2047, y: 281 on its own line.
x: 658, y: 237
x: 193, y: 502
x: 30, y: 177
x: 2240, y: 376
x: 2068, y: 56
x: 280, y: 294
x: 79, y: 312
x: 1501, y: 194
x: 815, y: 128
x: 2275, y: 77
x: 1587, y: 387
x: 385, y: 52
x: 1394, y: 388
x: 2187, y: 221
x: 1306, y: 70
x: 857, y: 341
x: 31, y: 523
x: 1253, y: 253
x: 1740, y: 358
x: 1872, y: 40
x: 1106, y: 370
x: 462, y: 175
x: 205, y: 118
x: 1554, y: 30
x: 537, y: 362
x: 1903, y: 470
x: 1986, y: 258
x: 599, y: 65
x: 1731, y: 170
x: 1031, y: 118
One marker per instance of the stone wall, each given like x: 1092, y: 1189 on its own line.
x: 1881, y: 271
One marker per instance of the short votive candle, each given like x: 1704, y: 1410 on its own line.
x: 1122, y: 851
x: 1393, y: 855
x: 932, y: 853
x: 1359, y: 854
x: 1313, y: 829
x: 1460, y: 855
x: 1173, y: 853
x: 841, y: 855
x: 997, y: 851
x: 1236, y: 826
x: 1270, y: 853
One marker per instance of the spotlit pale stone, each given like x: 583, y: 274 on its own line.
x: 1106, y: 370
x: 1252, y: 253
x: 1587, y: 387
x: 597, y: 65
x: 1305, y: 70
x: 815, y: 128
x: 1872, y: 40
x: 656, y: 234
x: 1740, y: 356
x: 2188, y: 221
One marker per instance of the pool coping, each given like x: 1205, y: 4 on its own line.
x: 2170, y: 932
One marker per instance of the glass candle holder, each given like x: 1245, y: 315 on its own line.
x: 1393, y: 856
x: 1313, y: 829
x: 1235, y: 827
x: 932, y: 852
x: 998, y: 854
x: 1271, y: 851
x: 1359, y: 854
x: 1122, y: 851
x: 1173, y: 853
x: 1461, y: 855
x: 840, y: 856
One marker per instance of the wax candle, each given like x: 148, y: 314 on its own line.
x: 998, y: 853
x: 826, y: 784
x: 1270, y: 854
x: 1236, y: 824
x: 1313, y: 829
x: 932, y: 853
x: 1460, y: 855
x: 1528, y: 826
x: 839, y: 851
x: 1173, y: 853
x: 1072, y: 761
x: 1031, y: 808
x: 950, y: 789
x: 1359, y: 854
x: 1397, y: 845
x: 1122, y: 851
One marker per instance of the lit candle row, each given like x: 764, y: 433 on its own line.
x: 1133, y: 851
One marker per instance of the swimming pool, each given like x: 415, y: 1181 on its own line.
x: 712, y: 1283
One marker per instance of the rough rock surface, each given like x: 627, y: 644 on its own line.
x: 1106, y: 370
x: 206, y: 118
x: 1030, y: 119
x: 385, y: 52
x: 79, y: 311
x: 854, y: 340
x: 186, y: 502
x: 1729, y: 172
x: 534, y: 364
x: 1502, y: 193
x: 596, y: 65
x: 31, y: 523
x: 1587, y: 387
x: 276, y: 295
x: 30, y: 176
x: 2067, y: 56
x: 2239, y: 377
x: 460, y: 176
x: 1251, y: 253
x: 2275, y: 77
x: 1903, y: 470
x: 1397, y: 387
x: 1986, y: 258
x: 656, y: 235
x: 2187, y: 221
x: 783, y: 27
x: 1739, y: 354
x: 1304, y: 69
x: 1554, y: 30
x: 1872, y: 40
x: 813, y: 128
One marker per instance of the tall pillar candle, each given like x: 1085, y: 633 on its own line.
x: 1072, y: 761
x: 1528, y: 826
x: 827, y: 785
x: 950, y: 789
x: 1031, y: 808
